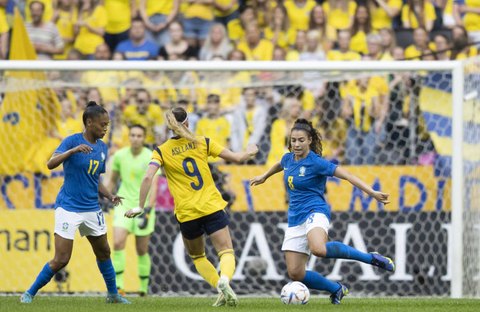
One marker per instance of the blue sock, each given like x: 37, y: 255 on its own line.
x: 43, y: 278
x: 108, y: 272
x: 341, y: 251
x: 317, y: 281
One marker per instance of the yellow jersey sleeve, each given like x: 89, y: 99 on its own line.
x: 214, y: 149
x: 157, y: 158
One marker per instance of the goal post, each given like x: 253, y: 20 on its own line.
x: 336, y: 71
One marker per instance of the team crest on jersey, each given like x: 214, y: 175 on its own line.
x: 103, y: 156
x: 302, y: 171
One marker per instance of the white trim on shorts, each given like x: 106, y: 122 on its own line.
x: 296, y: 236
x: 90, y: 223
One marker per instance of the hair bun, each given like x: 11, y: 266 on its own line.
x: 92, y: 103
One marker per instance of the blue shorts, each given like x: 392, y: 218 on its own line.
x: 208, y: 224
x: 196, y: 28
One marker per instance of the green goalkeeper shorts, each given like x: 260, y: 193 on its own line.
x: 142, y: 225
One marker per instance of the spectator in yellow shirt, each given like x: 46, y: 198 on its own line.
x: 362, y: 26
x: 65, y: 17
x: 359, y: 109
x: 278, y: 30
x: 418, y: 13
x: 119, y: 20
x: 462, y: 49
x: 319, y: 21
x: 147, y: 114
x: 225, y: 11
x: 197, y: 20
x: 376, y: 50
x: 471, y: 19
x: 254, y: 47
x: 299, y: 13
x: 383, y: 12
x: 442, y: 47
x: 340, y: 13
x: 157, y: 16
x: 388, y: 41
x: 420, y: 43
x: 279, y: 133
x: 299, y: 46
x: 343, y: 53
x: 214, y: 126
x: 90, y: 27
x: 236, y: 27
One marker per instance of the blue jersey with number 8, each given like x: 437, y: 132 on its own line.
x: 79, y: 192
x: 305, y: 181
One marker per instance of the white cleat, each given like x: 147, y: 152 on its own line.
x: 220, y: 301
x: 224, y: 287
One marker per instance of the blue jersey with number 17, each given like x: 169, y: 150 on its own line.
x: 305, y: 182
x: 79, y: 192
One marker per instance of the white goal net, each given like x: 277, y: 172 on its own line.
x: 390, y: 123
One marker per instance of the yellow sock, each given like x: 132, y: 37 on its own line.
x: 206, y: 269
x: 227, y: 263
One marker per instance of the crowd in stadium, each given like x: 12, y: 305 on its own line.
x: 363, y: 121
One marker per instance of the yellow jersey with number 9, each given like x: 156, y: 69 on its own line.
x: 189, y: 177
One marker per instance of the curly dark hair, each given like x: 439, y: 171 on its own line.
x: 305, y: 125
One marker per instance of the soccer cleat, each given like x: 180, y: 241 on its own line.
x: 224, y: 287
x: 337, y: 296
x: 382, y: 262
x: 117, y: 298
x: 220, y: 302
x: 26, y: 298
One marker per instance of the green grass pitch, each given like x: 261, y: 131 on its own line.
x: 201, y: 304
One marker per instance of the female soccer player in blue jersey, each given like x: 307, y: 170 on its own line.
x: 305, y: 176
x: 83, y: 156
x: 199, y: 206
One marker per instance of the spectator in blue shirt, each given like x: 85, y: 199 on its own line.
x: 137, y: 48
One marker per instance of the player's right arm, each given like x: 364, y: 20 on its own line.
x: 261, y: 179
x: 58, y: 158
x: 144, y: 189
x: 239, y: 157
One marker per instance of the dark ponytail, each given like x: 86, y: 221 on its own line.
x: 305, y: 125
x: 92, y: 110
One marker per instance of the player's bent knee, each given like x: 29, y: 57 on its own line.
x: 319, y: 251
x: 59, y: 263
x: 296, y: 275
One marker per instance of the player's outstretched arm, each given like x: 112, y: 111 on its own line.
x: 354, y: 180
x: 261, y: 179
x: 144, y: 188
x: 102, y: 189
x: 239, y: 157
x: 58, y: 158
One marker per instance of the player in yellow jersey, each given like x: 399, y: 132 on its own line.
x: 199, y: 207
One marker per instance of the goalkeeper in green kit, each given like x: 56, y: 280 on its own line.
x: 128, y: 167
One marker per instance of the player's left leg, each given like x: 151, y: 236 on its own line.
x: 216, y: 226
x: 318, y: 224
x: 196, y: 250
x: 299, y: 242
x: 121, y: 228
x: 119, y: 257
x: 143, y: 228
x: 95, y: 229
x: 144, y: 262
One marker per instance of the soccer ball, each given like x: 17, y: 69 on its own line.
x: 295, y: 293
